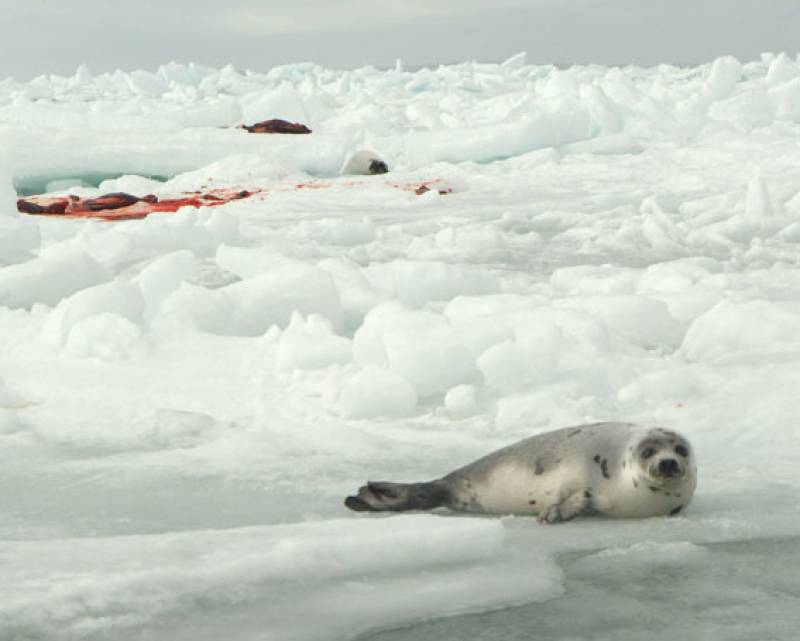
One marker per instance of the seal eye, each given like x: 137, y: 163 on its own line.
x: 648, y: 452
x: 682, y: 451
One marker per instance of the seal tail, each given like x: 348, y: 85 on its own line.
x: 398, y: 497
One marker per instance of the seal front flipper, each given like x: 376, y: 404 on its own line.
x: 398, y: 497
x: 566, y: 509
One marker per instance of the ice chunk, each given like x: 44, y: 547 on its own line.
x: 130, y: 184
x: 106, y: 336
x: 335, y: 231
x: 749, y: 108
x: 188, y: 228
x: 591, y: 279
x: 516, y: 61
x: 786, y: 99
x: 603, y: 110
x: 375, y: 392
x: 677, y: 284
x: 162, y: 277
x: 649, y: 555
x: 270, y: 299
x: 356, y: 293
x: 485, y: 143
x: 311, y: 344
x: 83, y: 76
x: 426, y: 116
x: 415, y: 283
x: 8, y: 195
x: 9, y: 397
x: 605, y: 145
x: 419, y: 143
x: 224, y: 227
x: 561, y: 85
x: 18, y: 236
x: 725, y: 73
x: 217, y: 111
x: 730, y: 327
x: 463, y: 242
x: 758, y: 204
x: 284, y: 103
x: 369, y: 347
x: 582, y: 330
x: 438, y: 358
x: 195, y: 307
x: 546, y: 406
x: 791, y: 233
x: 461, y: 401
x: 464, y: 308
x: 51, y: 277
x: 642, y: 321
x: 245, y: 262
x: 509, y: 366
x: 665, y: 388
x: 782, y: 69
x: 658, y: 229
x: 424, y: 348
x: 146, y: 84
x: 65, y: 184
x: 117, y: 297
x: 168, y: 428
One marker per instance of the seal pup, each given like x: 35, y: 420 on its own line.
x: 620, y: 470
x: 365, y: 163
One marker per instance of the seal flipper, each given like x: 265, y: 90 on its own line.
x: 567, y: 508
x: 398, y: 497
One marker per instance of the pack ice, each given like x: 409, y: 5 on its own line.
x: 186, y: 399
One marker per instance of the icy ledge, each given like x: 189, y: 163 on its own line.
x: 315, y: 580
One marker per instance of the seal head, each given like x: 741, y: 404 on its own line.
x: 664, y: 463
x: 378, y: 167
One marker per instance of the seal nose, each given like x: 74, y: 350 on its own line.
x: 669, y: 467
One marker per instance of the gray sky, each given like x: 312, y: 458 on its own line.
x: 55, y: 36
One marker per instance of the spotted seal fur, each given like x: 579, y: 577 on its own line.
x: 618, y: 470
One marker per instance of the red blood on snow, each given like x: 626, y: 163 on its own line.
x: 123, y: 206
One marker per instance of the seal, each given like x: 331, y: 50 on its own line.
x: 365, y: 163
x: 276, y: 126
x: 619, y: 470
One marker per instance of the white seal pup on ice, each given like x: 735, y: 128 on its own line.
x: 365, y: 163
x: 614, y: 469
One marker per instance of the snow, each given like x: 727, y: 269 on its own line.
x: 185, y: 400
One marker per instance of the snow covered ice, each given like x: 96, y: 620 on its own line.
x: 186, y: 399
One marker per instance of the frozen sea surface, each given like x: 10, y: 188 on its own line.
x: 185, y: 400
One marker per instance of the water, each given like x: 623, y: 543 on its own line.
x: 742, y: 591
x: 30, y: 185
